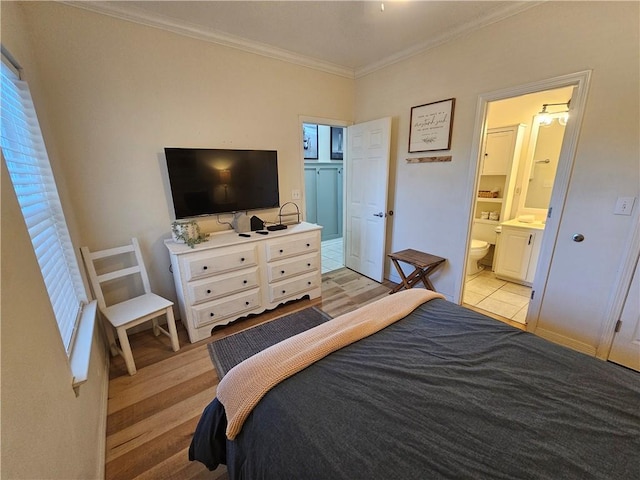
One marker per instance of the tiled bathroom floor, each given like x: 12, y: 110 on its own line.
x: 332, y: 255
x: 493, y: 295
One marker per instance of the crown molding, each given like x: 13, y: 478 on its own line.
x: 227, y: 40
x: 496, y: 16
x: 114, y: 9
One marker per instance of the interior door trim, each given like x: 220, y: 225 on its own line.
x: 620, y: 292
x: 579, y: 80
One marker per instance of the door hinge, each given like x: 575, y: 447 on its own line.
x: 549, y: 212
x: 533, y: 293
x: 618, y: 326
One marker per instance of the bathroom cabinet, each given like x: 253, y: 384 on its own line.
x: 323, y: 197
x: 500, y: 157
x: 518, y: 253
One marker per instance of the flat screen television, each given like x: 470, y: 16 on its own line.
x: 207, y: 181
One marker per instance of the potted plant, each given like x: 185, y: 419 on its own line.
x: 187, y: 232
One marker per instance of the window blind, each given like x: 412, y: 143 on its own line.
x: 28, y: 164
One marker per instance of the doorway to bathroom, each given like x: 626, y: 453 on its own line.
x: 323, y: 157
x: 519, y: 157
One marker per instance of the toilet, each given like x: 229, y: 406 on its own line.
x: 478, y: 250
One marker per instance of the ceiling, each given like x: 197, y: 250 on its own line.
x: 350, y: 38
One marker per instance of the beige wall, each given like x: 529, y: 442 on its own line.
x: 110, y: 96
x: 47, y: 432
x: 119, y: 92
x: 431, y: 201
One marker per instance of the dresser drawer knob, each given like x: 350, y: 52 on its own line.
x: 205, y: 267
x: 208, y: 291
x: 242, y: 259
x: 281, y: 272
x: 211, y: 314
x: 308, y: 264
x: 247, y: 303
x: 308, y: 244
x: 281, y: 251
x: 244, y: 282
x: 284, y: 291
x: 308, y: 283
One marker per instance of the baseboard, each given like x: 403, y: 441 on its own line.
x: 102, y: 431
x: 566, y: 341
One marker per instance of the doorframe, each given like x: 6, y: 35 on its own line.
x: 580, y: 80
x: 333, y: 123
x: 620, y: 292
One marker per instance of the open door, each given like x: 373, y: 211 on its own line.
x: 367, y: 179
x: 625, y: 349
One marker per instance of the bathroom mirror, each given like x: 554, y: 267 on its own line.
x: 543, y: 154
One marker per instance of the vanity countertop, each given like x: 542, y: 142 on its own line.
x: 516, y: 223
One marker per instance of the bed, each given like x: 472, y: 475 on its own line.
x: 444, y: 392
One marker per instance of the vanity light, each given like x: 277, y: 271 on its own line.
x: 545, y: 118
x: 562, y: 119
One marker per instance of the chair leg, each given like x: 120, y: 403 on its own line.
x: 156, y: 330
x: 126, y: 350
x: 113, y: 347
x: 171, y: 323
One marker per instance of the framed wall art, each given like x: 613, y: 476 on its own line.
x: 310, y: 141
x: 337, y: 138
x: 431, y: 126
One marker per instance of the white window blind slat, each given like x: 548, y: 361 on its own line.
x: 27, y: 161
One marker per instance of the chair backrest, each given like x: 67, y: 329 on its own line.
x: 90, y: 259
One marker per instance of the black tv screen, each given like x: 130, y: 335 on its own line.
x: 212, y: 181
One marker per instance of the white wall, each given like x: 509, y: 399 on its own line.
x: 432, y: 201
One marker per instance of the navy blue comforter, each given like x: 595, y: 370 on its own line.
x: 443, y: 393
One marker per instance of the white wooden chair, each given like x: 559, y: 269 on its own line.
x: 131, y: 312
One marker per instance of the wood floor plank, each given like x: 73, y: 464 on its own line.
x: 137, y: 412
x: 153, y: 426
x: 148, y: 455
x: 177, y: 467
x: 154, y: 386
x: 181, y: 359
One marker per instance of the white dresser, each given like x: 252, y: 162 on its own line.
x: 229, y: 276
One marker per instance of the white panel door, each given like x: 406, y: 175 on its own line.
x: 367, y: 177
x: 625, y: 349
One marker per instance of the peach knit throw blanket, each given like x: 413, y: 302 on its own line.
x: 245, y: 384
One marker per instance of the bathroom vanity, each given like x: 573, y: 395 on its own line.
x: 518, y: 251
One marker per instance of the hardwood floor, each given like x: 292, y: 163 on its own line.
x: 153, y: 414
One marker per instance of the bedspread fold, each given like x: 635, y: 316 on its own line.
x: 245, y: 384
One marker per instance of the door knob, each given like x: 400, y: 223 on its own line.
x: 379, y: 214
x: 578, y: 237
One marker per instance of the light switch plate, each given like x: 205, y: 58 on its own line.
x: 624, y: 205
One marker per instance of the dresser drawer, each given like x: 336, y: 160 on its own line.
x: 290, y: 268
x: 217, y: 310
x: 289, y: 288
x: 211, y: 288
x: 211, y: 263
x: 290, y: 247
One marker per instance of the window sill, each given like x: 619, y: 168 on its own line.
x: 81, y: 352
